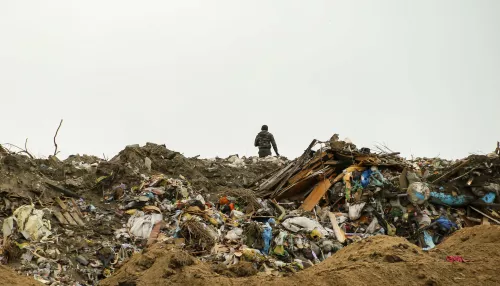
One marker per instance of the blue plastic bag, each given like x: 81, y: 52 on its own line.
x: 446, y: 223
x: 267, y: 235
x: 365, y: 178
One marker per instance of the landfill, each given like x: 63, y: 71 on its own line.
x: 151, y: 213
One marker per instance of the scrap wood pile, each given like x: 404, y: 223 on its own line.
x: 309, y: 178
x: 422, y: 200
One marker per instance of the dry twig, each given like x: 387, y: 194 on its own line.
x: 25, y: 150
x: 57, y: 131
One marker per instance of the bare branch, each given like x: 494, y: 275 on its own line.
x: 25, y: 151
x: 57, y: 131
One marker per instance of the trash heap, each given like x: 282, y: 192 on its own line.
x: 74, y: 222
x: 80, y: 220
x: 225, y: 228
x: 423, y: 200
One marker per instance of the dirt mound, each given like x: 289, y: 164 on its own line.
x: 475, y: 243
x: 204, y: 174
x: 10, y: 278
x: 383, y: 260
x: 378, y: 260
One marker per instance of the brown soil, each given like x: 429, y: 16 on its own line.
x: 379, y: 260
x: 11, y: 278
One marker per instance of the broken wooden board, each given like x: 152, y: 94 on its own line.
x: 298, y: 165
x: 299, y: 176
x: 68, y: 217
x: 276, y: 178
x: 339, y: 233
x: 485, y: 221
x: 318, y: 158
x: 303, y: 185
x: 77, y: 219
x: 485, y: 215
x: 333, y: 162
x: 60, y: 217
x: 318, y: 192
x: 61, y: 204
x: 297, y: 188
x: 77, y: 208
x: 303, y: 173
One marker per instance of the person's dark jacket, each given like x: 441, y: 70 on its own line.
x: 265, y: 140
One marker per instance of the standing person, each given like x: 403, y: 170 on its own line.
x: 264, y: 140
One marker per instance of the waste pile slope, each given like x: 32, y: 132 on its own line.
x: 337, y: 211
x: 71, y: 222
x: 378, y: 260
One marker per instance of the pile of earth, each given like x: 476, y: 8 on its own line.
x: 204, y: 174
x: 25, y: 180
x: 379, y: 260
x: 11, y: 278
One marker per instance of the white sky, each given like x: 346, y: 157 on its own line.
x: 203, y: 76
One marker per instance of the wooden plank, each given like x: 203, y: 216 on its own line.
x: 485, y: 221
x: 59, y: 217
x: 77, y: 208
x: 314, y: 177
x: 333, y: 162
x: 298, y: 165
x: 262, y: 177
x: 276, y: 178
x: 77, y: 219
x: 483, y: 214
x: 298, y: 187
x: 316, y: 195
x: 61, y: 204
x: 339, y: 233
x: 316, y: 159
x: 69, y: 218
x: 300, y: 175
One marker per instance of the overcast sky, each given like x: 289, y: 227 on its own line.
x: 203, y: 76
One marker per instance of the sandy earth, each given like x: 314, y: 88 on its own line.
x: 379, y: 260
x: 9, y: 277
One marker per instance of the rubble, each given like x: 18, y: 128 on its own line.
x: 78, y: 221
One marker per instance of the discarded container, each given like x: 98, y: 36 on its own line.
x: 418, y: 193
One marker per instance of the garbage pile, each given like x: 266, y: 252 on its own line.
x: 423, y: 200
x: 74, y: 222
x: 81, y: 219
